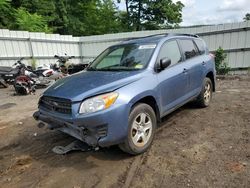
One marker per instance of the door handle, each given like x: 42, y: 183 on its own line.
x: 185, y: 70
x: 203, y: 63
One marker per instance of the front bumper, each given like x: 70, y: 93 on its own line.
x: 104, y: 128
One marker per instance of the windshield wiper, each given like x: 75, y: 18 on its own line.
x: 117, y: 69
x: 91, y: 69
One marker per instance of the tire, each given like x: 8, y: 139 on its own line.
x: 205, y: 96
x: 141, y: 129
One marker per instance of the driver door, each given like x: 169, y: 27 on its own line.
x: 172, y: 81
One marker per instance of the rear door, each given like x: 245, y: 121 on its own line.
x: 203, y: 53
x: 194, y: 64
x: 173, y: 81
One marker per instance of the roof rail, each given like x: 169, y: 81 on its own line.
x: 183, y: 34
x: 163, y: 34
x: 132, y: 38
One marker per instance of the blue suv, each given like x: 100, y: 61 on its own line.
x: 128, y: 88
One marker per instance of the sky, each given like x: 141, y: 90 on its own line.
x: 199, y: 12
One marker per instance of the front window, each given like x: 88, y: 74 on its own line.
x: 123, y: 58
x: 170, y: 50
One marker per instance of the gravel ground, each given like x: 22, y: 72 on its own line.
x: 193, y: 148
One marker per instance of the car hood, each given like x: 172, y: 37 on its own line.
x: 88, y: 83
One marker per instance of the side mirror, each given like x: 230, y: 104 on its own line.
x: 164, y: 63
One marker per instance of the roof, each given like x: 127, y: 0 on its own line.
x: 154, y: 38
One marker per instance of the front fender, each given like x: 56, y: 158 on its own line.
x: 144, y: 94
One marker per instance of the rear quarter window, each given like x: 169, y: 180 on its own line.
x: 188, y: 48
x: 201, y: 46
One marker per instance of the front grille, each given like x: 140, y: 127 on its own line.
x: 56, y: 104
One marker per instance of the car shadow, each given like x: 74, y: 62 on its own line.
x: 174, y: 114
x: 38, y: 144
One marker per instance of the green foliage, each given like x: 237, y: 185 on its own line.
x: 61, y: 21
x: 6, y: 16
x: 153, y: 14
x: 33, y: 63
x: 4, y: 4
x: 93, y: 17
x: 220, y: 64
x: 162, y: 14
x: 31, y: 22
x: 247, y: 17
x: 89, y: 17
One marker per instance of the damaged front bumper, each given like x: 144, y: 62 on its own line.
x: 100, y: 129
x: 87, y: 135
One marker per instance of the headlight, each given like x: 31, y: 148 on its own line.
x: 98, y: 103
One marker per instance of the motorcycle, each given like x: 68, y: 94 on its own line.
x: 23, y: 78
x: 8, y: 74
x: 68, y: 68
x: 54, y: 73
x: 42, y: 70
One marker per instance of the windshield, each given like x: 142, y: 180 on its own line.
x: 123, y: 58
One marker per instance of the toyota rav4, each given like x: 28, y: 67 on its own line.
x: 119, y: 98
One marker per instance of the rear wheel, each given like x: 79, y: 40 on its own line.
x: 205, y: 96
x: 141, y: 130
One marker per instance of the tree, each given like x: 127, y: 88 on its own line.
x: 6, y: 16
x: 45, y: 8
x: 153, y: 14
x: 247, y: 17
x: 61, y: 20
x: 31, y: 22
x: 123, y: 20
x: 162, y: 14
x: 108, y: 17
x: 89, y: 17
x: 93, y: 17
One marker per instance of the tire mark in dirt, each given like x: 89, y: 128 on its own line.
x: 7, y: 105
x: 139, y: 160
x: 133, y: 169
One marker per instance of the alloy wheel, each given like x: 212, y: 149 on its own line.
x: 207, y: 93
x: 141, y: 129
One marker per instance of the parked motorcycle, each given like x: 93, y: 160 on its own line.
x: 68, y: 68
x: 8, y: 74
x: 24, y: 85
x: 28, y: 81
x: 54, y: 73
x: 24, y: 79
x: 42, y: 70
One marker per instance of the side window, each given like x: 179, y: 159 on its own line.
x: 201, y: 46
x: 188, y: 48
x: 170, y: 50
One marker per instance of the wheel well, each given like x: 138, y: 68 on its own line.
x: 151, y: 102
x: 211, y: 76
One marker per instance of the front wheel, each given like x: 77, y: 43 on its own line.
x: 141, y: 129
x: 205, y: 96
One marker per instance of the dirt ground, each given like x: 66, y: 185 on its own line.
x: 193, y: 148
